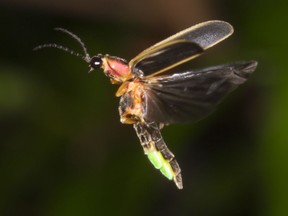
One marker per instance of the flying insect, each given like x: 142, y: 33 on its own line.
x: 151, y: 96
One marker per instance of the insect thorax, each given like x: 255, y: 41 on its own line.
x: 131, y: 103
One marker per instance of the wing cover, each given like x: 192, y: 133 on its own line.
x: 204, y: 35
x: 168, y: 56
x: 192, y: 95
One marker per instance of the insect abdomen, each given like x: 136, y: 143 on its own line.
x: 157, y: 151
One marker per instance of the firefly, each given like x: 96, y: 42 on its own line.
x: 152, y: 95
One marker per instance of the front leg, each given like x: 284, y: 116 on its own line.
x: 157, y: 151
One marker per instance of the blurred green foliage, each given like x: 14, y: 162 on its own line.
x: 63, y: 150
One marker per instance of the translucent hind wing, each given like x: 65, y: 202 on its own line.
x: 192, y: 95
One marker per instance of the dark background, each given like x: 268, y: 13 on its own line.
x: 63, y: 150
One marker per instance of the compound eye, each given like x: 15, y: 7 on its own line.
x: 96, y: 62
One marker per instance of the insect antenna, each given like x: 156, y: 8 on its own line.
x: 53, y: 45
x: 85, y: 57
